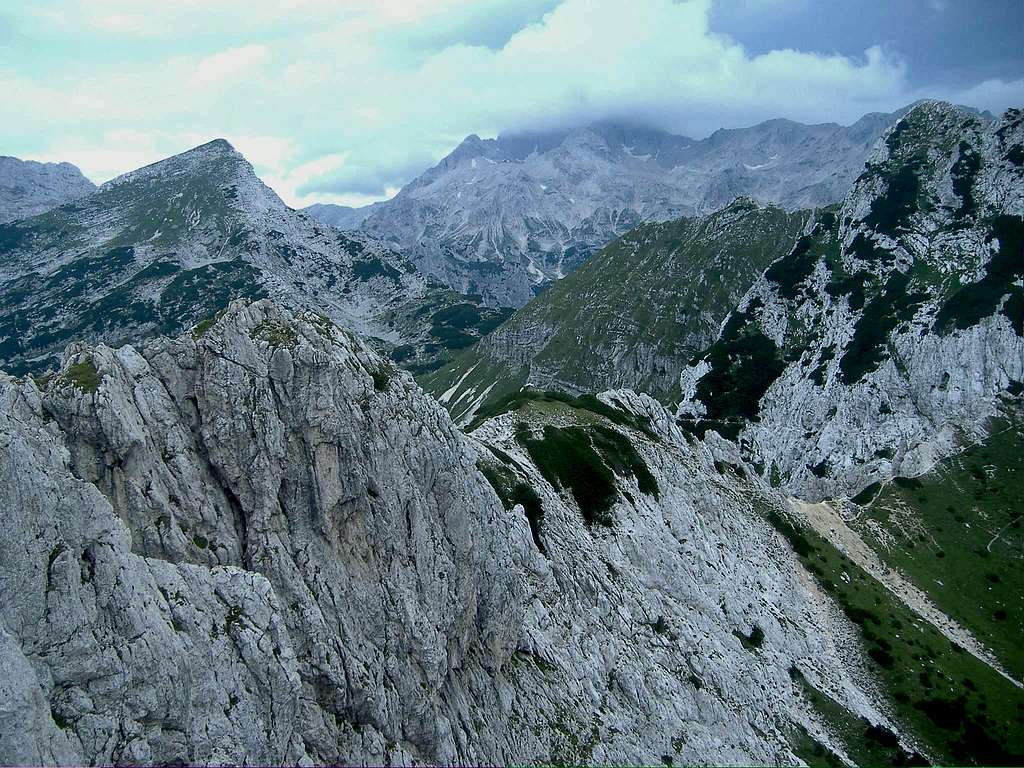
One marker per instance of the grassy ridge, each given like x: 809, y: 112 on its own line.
x: 957, y: 534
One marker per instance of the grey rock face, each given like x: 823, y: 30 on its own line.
x: 266, y: 545
x: 28, y: 188
x: 897, y: 331
x: 505, y: 217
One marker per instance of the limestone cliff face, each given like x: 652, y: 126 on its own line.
x: 245, y: 547
x: 263, y: 544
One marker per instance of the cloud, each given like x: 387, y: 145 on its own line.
x: 225, y: 67
x: 993, y: 95
x: 126, y: 23
x: 348, y: 100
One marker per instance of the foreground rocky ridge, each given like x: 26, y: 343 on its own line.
x: 261, y: 543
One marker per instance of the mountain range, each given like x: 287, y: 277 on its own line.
x: 742, y: 488
x: 505, y: 217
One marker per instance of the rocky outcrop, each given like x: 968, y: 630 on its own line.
x: 889, y: 335
x: 261, y: 543
x: 28, y: 188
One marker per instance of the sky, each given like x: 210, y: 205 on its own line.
x: 344, y: 101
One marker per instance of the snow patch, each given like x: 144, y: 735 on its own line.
x: 448, y: 393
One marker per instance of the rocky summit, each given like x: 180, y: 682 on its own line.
x: 897, y: 323
x: 505, y: 217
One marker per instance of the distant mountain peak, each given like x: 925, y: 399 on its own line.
x: 219, y: 144
x: 28, y: 187
x: 199, y: 159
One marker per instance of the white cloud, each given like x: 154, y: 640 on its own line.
x: 126, y: 23
x: 351, y: 98
x: 226, y: 67
x: 993, y: 95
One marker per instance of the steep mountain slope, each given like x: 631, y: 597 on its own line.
x: 504, y: 217
x: 165, y: 247
x: 956, y: 532
x: 888, y: 335
x: 272, y: 547
x: 632, y: 316
x: 28, y: 188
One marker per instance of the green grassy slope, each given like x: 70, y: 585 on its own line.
x: 632, y: 315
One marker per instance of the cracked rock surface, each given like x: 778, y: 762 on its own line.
x: 265, y: 545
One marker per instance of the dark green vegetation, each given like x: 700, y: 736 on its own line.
x: 63, y: 307
x: 512, y: 490
x: 866, y: 744
x: 584, y: 462
x: 515, y: 400
x: 962, y: 711
x: 744, y: 363
x: 453, y: 322
x: 958, y: 534
x: 812, y: 751
x: 83, y: 376
x: 963, y: 173
x: 851, y: 286
x: 792, y: 270
x: 881, y: 316
x: 370, y: 268
x: 891, y: 209
x: 459, y: 325
x: 973, y: 302
x: 198, y: 293
x: 275, y: 334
